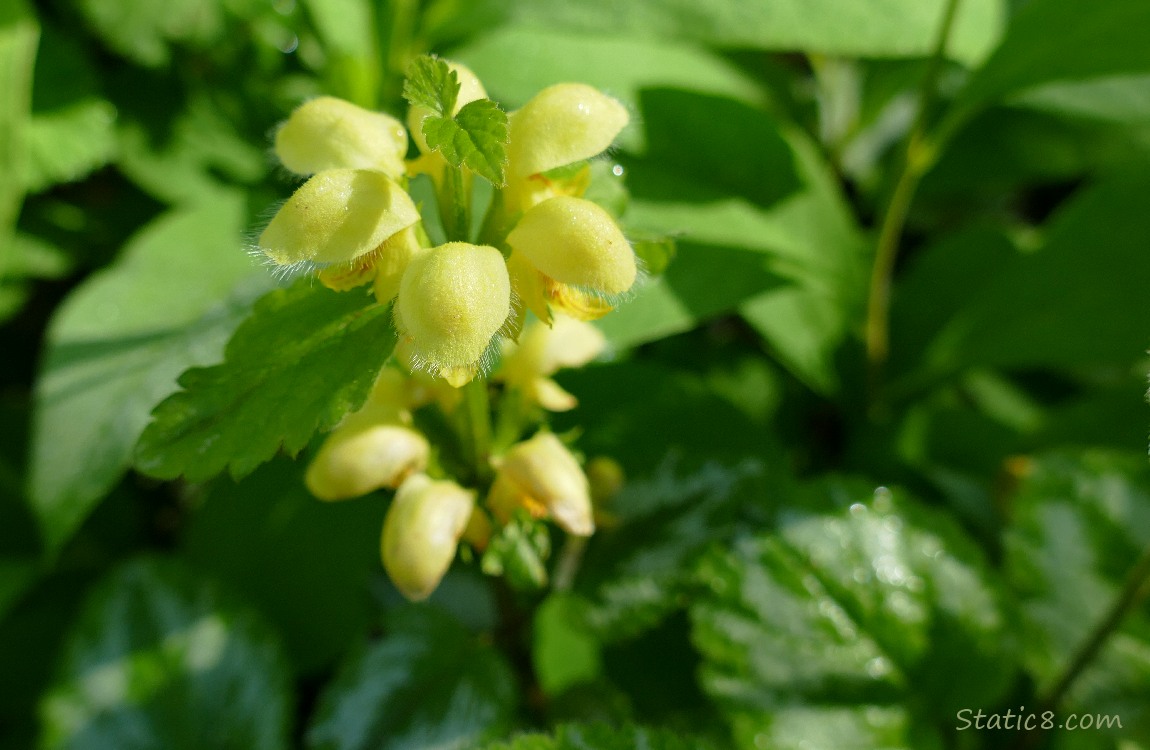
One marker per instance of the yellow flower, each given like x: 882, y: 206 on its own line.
x: 575, y: 247
x: 561, y: 125
x: 422, y: 531
x: 370, y: 449
x: 567, y: 253
x: 329, y: 133
x: 542, y: 476
x: 542, y: 350
x: 348, y: 220
x: 453, y: 300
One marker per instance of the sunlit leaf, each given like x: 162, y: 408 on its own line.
x: 305, y: 358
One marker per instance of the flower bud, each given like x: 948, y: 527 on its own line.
x: 422, y: 531
x: 575, y: 241
x: 330, y: 133
x: 563, y: 124
x: 542, y: 351
x: 371, y: 448
x: 337, y: 216
x: 357, y: 460
x: 452, y: 301
x: 470, y: 90
x: 542, y: 473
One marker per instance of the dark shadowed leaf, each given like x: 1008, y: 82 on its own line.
x: 427, y: 684
x: 159, y: 659
x: 116, y: 346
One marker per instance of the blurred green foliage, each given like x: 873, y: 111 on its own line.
x: 758, y: 585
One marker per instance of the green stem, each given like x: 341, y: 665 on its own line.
x: 455, y: 205
x: 1135, y: 590
x: 477, y: 427
x: 917, y: 159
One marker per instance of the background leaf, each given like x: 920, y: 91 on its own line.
x: 766, y: 230
x: 599, y: 737
x: 305, y: 358
x: 115, y: 348
x: 309, y: 567
x: 1079, y: 523
x: 1041, y: 307
x: 880, y: 28
x: 426, y: 684
x: 840, y: 628
x: 157, y: 652
x: 1051, y: 40
x: 19, y: 33
x: 146, y: 30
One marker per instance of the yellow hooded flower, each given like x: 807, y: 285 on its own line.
x: 337, y: 216
x: 561, y: 125
x: 422, y: 531
x: 542, y: 476
x: 575, y: 246
x: 542, y: 350
x: 349, y: 219
x: 329, y: 133
x: 370, y: 449
x: 567, y: 253
x: 453, y: 300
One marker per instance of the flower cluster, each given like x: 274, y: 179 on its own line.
x: 378, y: 447
x: 459, y: 307
x: 545, y: 247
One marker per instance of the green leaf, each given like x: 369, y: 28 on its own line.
x: 1051, y: 40
x: 186, y: 164
x: 855, y: 629
x: 1041, y: 307
x: 307, y: 570
x: 19, y: 33
x: 762, y: 226
x: 427, y: 684
x: 477, y: 137
x: 305, y: 358
x: 877, y: 28
x: 1121, y: 99
x: 117, y: 344
x: 432, y: 84
x: 637, y: 573
x: 68, y: 143
x: 518, y: 552
x: 1080, y: 521
x: 619, y: 65
x: 161, y: 659
x: 600, y: 737
x: 563, y: 651
x: 146, y: 30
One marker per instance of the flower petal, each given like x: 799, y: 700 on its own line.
x: 575, y: 241
x: 330, y: 133
x: 563, y: 124
x: 421, y: 533
x: 337, y: 216
x: 452, y: 301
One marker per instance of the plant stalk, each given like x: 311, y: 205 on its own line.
x: 917, y: 159
x: 1134, y: 591
x: 476, y: 412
